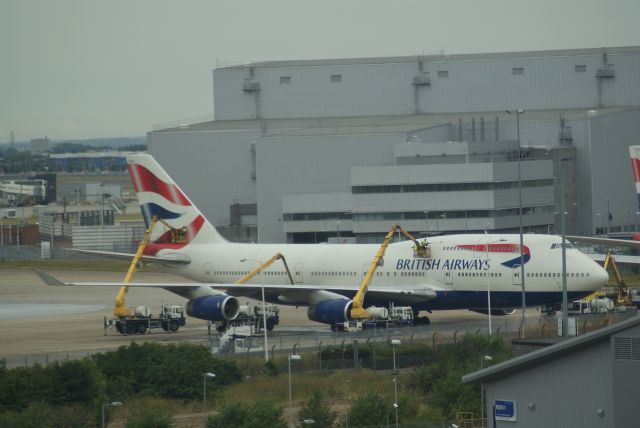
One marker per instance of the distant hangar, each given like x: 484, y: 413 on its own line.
x: 339, y: 149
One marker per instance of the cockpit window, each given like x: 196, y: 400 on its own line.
x: 567, y: 245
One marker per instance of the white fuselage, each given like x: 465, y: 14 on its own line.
x: 462, y: 268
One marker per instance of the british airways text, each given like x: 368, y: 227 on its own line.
x: 442, y: 264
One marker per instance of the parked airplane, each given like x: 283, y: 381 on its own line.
x: 634, y: 241
x: 456, y: 275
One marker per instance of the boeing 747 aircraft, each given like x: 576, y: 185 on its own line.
x: 457, y: 273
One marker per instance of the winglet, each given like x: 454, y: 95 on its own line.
x: 48, y: 279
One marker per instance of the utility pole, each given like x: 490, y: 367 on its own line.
x: 518, y: 112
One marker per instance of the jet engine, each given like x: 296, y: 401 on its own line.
x: 214, y: 308
x: 495, y: 312
x: 330, y: 311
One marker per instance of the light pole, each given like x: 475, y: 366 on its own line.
x: 482, y: 360
x: 518, y: 112
x: 489, y: 280
x: 426, y: 222
x: 565, y: 303
x: 608, y: 216
x: 291, y: 357
x: 205, y: 376
x: 346, y: 414
x: 264, y: 311
x: 597, y: 221
x: 111, y: 404
x: 394, y: 343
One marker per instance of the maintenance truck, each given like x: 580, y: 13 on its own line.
x: 253, y: 316
x: 141, y: 320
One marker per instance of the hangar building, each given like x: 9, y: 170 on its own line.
x: 345, y: 147
x: 586, y: 381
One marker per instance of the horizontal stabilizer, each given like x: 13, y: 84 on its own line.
x: 49, y: 280
x: 173, y: 258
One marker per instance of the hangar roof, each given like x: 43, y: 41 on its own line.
x: 541, y: 356
x: 439, y: 57
x: 375, y: 124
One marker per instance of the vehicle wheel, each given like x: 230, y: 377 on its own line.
x: 165, y: 326
x: 120, y: 328
x: 174, y: 326
x: 142, y: 329
x: 130, y: 328
x: 426, y: 320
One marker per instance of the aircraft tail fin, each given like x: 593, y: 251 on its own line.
x: 159, y: 196
x: 634, y: 152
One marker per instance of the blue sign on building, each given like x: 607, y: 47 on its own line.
x: 505, y: 410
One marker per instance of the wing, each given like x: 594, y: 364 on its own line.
x: 294, y: 294
x: 620, y: 259
x: 605, y: 241
x: 173, y: 258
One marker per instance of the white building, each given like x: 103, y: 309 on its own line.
x: 351, y: 146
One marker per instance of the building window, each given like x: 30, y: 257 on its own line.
x: 285, y: 80
x: 335, y: 78
x: 443, y: 74
x: 581, y: 68
x: 518, y: 70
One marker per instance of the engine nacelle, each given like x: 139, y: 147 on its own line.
x: 495, y: 312
x: 330, y: 311
x: 214, y: 308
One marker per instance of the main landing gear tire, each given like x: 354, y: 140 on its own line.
x: 270, y: 324
x: 422, y: 321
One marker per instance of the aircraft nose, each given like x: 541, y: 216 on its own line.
x: 600, y: 276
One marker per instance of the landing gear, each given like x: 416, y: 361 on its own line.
x: 422, y: 320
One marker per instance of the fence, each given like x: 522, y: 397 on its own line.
x: 326, y: 350
x: 34, y: 252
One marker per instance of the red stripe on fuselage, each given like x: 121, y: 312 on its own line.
x: 495, y: 248
x: 145, y: 181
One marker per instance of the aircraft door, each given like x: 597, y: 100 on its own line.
x: 298, y: 270
x: 208, y: 272
x: 448, y: 277
x: 517, y: 281
x: 365, y: 268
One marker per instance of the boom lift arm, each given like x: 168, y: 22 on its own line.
x: 420, y: 250
x: 623, y: 294
x: 120, y: 310
x: 263, y: 266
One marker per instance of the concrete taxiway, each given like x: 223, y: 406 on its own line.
x: 42, y: 323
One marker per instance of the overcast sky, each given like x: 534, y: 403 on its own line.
x: 83, y: 68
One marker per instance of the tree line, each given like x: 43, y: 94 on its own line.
x: 72, y: 393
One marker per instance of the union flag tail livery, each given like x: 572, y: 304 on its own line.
x: 160, y: 196
x: 634, y: 151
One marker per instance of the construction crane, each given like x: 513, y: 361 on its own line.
x: 420, y: 250
x: 177, y: 235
